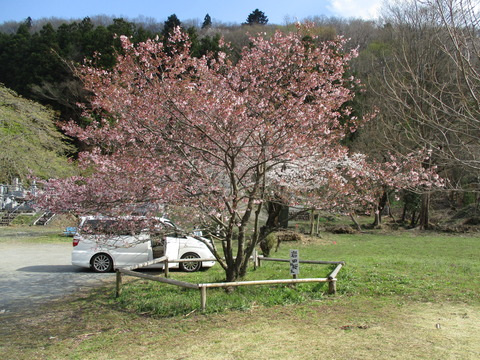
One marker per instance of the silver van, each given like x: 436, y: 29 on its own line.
x: 104, y: 244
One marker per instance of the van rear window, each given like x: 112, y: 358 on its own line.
x: 110, y: 227
x: 122, y: 227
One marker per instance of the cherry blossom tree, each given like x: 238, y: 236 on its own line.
x: 212, y: 135
x: 352, y: 182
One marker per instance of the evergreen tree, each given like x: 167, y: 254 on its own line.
x: 207, y: 22
x: 28, y: 22
x: 171, y: 23
x: 257, y: 17
x: 206, y: 45
x: 15, y: 56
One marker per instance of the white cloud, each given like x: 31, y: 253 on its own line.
x: 366, y: 9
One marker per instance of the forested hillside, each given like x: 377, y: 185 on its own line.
x: 38, y: 58
x: 40, y: 65
x: 419, y: 63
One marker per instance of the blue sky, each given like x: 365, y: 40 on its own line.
x: 220, y: 10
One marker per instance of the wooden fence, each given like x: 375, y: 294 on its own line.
x: 331, y: 278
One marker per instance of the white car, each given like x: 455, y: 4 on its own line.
x: 104, y: 244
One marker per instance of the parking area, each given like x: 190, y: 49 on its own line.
x: 32, y: 274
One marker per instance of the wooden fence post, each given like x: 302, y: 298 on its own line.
x: 119, y: 284
x: 165, y: 267
x: 332, y: 286
x: 203, y: 297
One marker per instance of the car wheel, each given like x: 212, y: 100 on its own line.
x: 102, y: 263
x: 190, y: 266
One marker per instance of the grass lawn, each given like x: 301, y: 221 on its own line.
x: 404, y: 295
x: 32, y: 234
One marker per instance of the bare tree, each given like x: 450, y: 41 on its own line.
x: 424, y: 73
x: 459, y: 20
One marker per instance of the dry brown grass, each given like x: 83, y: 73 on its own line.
x: 337, y: 328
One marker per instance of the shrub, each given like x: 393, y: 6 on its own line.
x: 275, y: 239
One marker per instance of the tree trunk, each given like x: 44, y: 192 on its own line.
x: 312, y: 221
x: 379, y: 208
x: 357, y: 225
x: 413, y: 220
x: 404, y: 213
x: 424, y: 220
x: 318, y: 225
x: 231, y: 274
x: 378, y: 216
x: 273, y: 209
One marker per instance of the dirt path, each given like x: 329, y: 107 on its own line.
x: 32, y: 274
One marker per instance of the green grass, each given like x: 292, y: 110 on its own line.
x: 167, y: 300
x: 32, y: 234
x: 409, y: 266
x: 399, y: 268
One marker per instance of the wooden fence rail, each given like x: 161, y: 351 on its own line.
x: 262, y: 258
x: 331, y: 278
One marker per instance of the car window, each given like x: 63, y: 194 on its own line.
x: 126, y: 226
x: 111, y: 227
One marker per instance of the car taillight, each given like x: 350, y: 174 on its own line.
x: 75, y: 241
